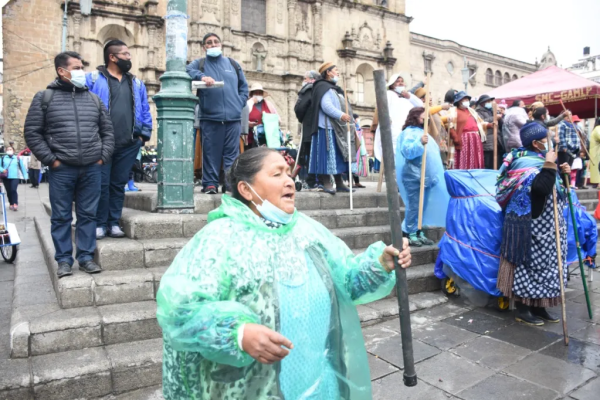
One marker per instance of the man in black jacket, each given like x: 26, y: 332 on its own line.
x: 302, y: 109
x: 486, y: 112
x: 68, y: 129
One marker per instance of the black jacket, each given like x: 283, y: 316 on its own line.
x: 320, y: 87
x: 304, y: 112
x: 74, y: 130
x: 488, y: 117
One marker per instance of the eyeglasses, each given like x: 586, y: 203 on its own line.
x: 126, y: 54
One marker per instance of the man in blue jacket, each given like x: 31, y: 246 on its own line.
x: 220, y: 110
x: 127, y: 102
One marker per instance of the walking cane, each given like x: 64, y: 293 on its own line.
x: 560, y: 268
x: 424, y: 159
x: 495, y: 111
x: 581, y: 268
x: 385, y: 129
x: 349, y: 147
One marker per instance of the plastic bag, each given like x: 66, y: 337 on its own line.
x: 272, y: 132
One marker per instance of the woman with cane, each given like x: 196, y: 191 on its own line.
x: 527, y: 188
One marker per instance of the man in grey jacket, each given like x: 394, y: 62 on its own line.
x: 220, y: 110
x: 68, y: 129
x: 514, y: 119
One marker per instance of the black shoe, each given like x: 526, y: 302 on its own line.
x: 64, y: 269
x: 210, y: 190
x: 543, y: 314
x: 424, y: 239
x: 525, y: 316
x: 90, y: 267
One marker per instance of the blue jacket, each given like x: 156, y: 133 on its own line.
x: 223, y: 104
x: 13, y: 167
x: 97, y: 82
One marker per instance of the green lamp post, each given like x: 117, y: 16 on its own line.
x: 175, y: 116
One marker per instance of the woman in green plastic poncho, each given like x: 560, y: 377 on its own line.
x: 260, y: 304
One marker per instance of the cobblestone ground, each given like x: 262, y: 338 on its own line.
x: 473, y: 353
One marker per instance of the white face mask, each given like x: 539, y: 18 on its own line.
x: 10, y: 152
x: 258, y: 98
x: 77, y: 78
x: 271, y: 212
x: 466, y: 103
x: 399, y: 89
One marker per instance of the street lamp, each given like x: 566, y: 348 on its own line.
x: 175, y: 117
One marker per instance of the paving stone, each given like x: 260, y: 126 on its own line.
x: 379, y: 368
x: 477, y: 322
x: 434, y: 314
x: 123, y: 287
x: 26, y: 295
x: 390, y: 350
x: 526, y: 336
x: 509, y: 388
x: 392, y: 387
x: 72, y: 374
x: 136, y: 321
x: 590, y: 334
x: 491, y: 353
x: 149, y: 393
x: 7, y: 273
x: 376, y: 333
x: 136, y: 365
x: 366, y: 313
x: 443, y: 336
x: 594, y: 299
x: 76, y: 290
x: 577, y: 352
x: 452, y: 373
x: 574, y: 325
x: 589, y: 391
x: 550, y: 372
x: 580, y: 311
x: 14, y: 379
x: 119, y: 254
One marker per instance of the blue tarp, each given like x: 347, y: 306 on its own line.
x: 471, y: 245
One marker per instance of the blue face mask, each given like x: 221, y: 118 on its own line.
x: 488, y: 106
x: 271, y: 212
x: 335, y: 79
x: 214, y: 52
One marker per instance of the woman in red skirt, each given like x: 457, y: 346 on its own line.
x: 468, y: 135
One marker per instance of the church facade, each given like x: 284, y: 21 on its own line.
x: 275, y: 41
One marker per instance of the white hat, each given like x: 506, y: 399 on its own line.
x: 256, y: 86
x: 392, y: 79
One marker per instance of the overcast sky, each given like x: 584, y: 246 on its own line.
x: 520, y: 29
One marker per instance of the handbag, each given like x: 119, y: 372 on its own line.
x: 4, y: 175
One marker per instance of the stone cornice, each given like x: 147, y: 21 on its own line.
x: 368, y: 8
x: 130, y: 13
x: 471, y: 53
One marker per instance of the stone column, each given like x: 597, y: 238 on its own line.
x: 317, y: 10
x: 291, y: 61
x: 77, y: 32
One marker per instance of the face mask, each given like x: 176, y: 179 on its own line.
x: 546, y: 148
x: 335, y: 79
x: 304, y: 84
x: 488, y: 106
x: 258, y: 98
x: 271, y: 212
x: 77, y: 78
x: 10, y: 152
x: 399, y: 89
x: 124, y: 65
x: 214, y: 52
x: 466, y: 104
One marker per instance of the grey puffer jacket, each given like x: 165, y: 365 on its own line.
x: 76, y: 129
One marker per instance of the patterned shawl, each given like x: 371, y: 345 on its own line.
x: 513, y: 193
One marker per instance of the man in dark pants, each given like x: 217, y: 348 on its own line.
x: 130, y: 114
x: 569, y: 144
x: 220, y: 110
x: 302, y: 109
x: 68, y: 129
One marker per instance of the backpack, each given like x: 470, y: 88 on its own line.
x: 47, y: 98
x: 233, y: 63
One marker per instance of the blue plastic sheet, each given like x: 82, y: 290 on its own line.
x: 471, y: 244
x: 586, y: 229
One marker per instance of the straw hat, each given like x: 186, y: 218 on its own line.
x: 325, y: 66
x: 257, y: 86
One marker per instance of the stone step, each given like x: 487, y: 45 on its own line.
x: 85, y: 374
x: 143, y: 225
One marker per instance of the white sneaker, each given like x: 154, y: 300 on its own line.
x: 100, y: 233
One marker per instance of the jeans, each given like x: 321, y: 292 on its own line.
x: 411, y: 216
x: 114, y: 177
x: 220, y: 142
x: 11, y: 186
x: 82, y: 184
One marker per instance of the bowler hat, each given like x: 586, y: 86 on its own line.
x: 461, y: 95
x: 484, y: 99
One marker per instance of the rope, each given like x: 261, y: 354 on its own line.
x: 470, y: 247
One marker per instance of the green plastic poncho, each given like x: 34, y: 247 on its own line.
x: 298, y: 279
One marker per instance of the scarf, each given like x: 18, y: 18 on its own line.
x: 513, y: 194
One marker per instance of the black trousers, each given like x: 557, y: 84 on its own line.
x: 564, y: 157
x: 34, y: 177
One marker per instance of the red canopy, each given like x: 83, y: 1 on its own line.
x: 549, y: 86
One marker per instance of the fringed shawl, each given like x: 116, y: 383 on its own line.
x: 513, y: 193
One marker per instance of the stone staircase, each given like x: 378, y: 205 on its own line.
x: 102, y: 341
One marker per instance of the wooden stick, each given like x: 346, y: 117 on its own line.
x: 349, y: 147
x: 560, y: 268
x: 424, y: 159
x: 578, y: 133
x: 495, y: 111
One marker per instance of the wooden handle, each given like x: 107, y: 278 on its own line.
x: 495, y: 111
x: 424, y: 159
x: 560, y: 268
